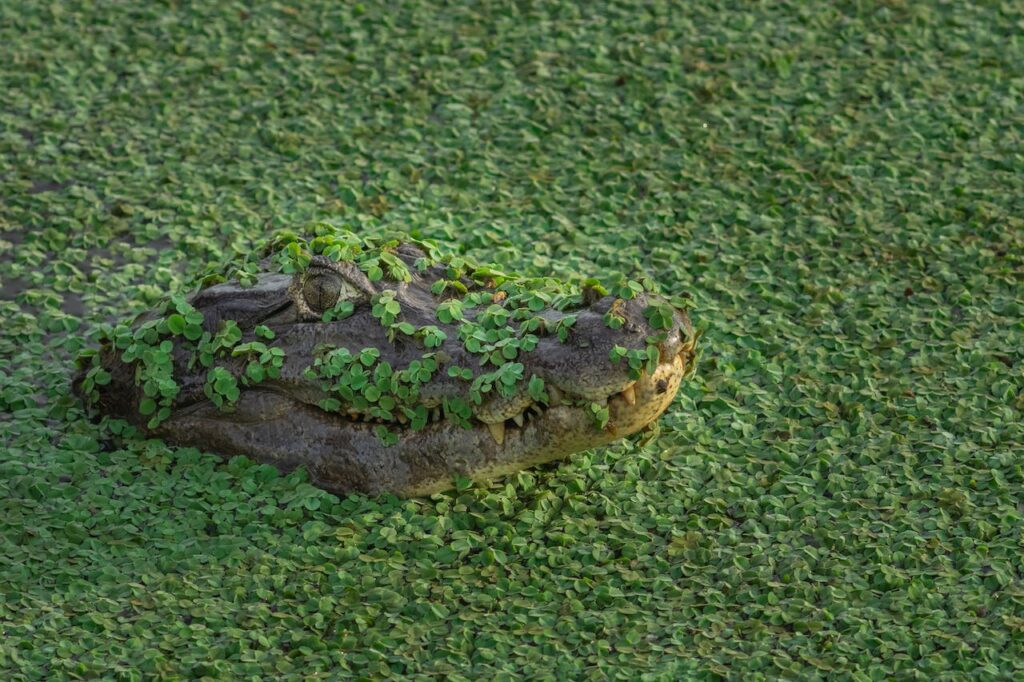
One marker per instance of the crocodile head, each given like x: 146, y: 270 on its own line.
x: 385, y: 366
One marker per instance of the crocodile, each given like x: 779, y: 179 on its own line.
x: 385, y: 365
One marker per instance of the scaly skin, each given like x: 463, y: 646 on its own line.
x: 398, y: 395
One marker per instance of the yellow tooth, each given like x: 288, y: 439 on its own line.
x: 629, y: 394
x: 497, y: 432
x: 555, y: 395
x: 518, y: 419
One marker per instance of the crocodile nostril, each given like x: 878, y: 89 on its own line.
x: 661, y: 386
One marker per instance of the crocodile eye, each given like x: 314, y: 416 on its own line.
x: 321, y: 289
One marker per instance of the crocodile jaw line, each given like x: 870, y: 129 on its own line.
x: 631, y: 410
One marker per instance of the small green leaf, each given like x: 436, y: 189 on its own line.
x: 614, y: 321
x: 176, y: 324
x: 659, y: 315
x: 147, y: 406
x: 535, y: 388
x: 255, y: 372
x: 386, y: 436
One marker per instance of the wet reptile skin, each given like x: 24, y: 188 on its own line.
x: 284, y: 420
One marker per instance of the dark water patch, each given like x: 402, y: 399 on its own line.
x: 12, y: 286
x: 161, y: 243
x: 40, y: 186
x: 73, y: 304
x: 16, y: 237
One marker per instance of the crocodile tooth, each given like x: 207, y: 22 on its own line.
x: 402, y: 419
x: 518, y: 419
x: 629, y: 394
x: 537, y: 408
x: 555, y: 395
x: 497, y: 432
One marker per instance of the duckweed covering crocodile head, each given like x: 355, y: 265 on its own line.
x: 386, y: 366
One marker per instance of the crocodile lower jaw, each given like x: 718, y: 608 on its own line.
x: 531, y: 444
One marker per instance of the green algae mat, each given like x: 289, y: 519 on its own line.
x: 837, y: 187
